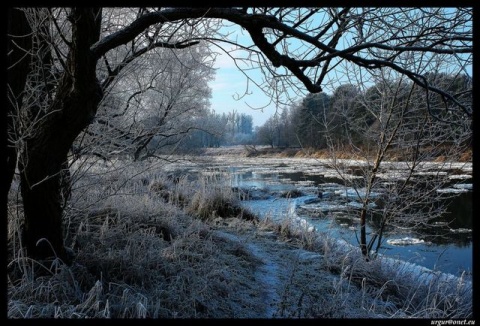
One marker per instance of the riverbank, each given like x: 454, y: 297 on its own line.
x: 143, y: 250
x: 268, y: 151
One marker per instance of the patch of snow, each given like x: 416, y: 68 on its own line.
x: 295, y: 220
x: 406, y: 241
x: 315, y: 204
x: 461, y: 230
x: 432, y: 173
x: 355, y: 204
x: 452, y: 190
x: 334, y: 174
x: 356, y: 193
x: 305, y: 182
x: 460, y: 176
x: 323, y: 207
x: 468, y: 186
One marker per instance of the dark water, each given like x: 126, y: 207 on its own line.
x: 444, y: 246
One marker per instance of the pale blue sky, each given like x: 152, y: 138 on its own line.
x: 229, y: 84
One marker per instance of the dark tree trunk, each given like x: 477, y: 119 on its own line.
x: 18, y: 62
x: 75, y: 104
x: 363, y: 233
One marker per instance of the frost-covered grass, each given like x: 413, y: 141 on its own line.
x: 408, y: 290
x: 388, y: 288
x: 153, y: 243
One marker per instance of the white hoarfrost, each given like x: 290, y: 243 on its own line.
x: 399, y: 271
x: 406, y: 241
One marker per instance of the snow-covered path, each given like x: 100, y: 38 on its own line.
x: 283, y: 274
x: 286, y: 281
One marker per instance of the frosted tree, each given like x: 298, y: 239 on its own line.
x: 390, y: 121
x: 299, y: 50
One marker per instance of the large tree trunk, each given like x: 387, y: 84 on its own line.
x: 77, y: 97
x: 18, y: 62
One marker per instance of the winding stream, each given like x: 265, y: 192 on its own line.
x: 445, y: 245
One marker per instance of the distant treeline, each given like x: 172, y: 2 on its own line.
x: 350, y: 115
x: 354, y: 116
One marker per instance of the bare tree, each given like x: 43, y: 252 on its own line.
x: 267, y: 133
x: 391, y: 122
x: 152, y: 104
x: 18, y: 58
x: 287, y: 44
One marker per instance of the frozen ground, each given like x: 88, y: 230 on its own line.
x: 293, y: 282
x: 287, y: 275
x: 290, y: 282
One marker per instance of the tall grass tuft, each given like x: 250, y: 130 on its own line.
x: 213, y: 198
